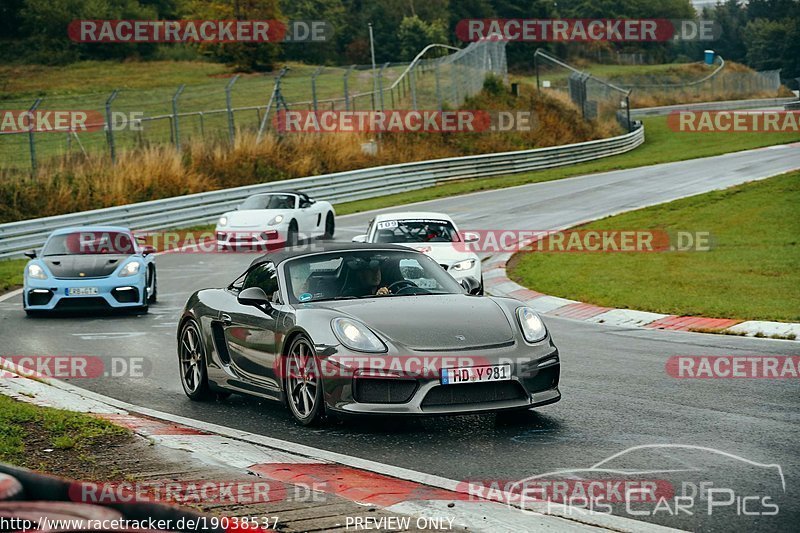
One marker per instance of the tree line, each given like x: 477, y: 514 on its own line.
x: 764, y: 34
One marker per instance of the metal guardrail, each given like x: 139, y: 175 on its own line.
x: 715, y: 106
x: 203, y: 208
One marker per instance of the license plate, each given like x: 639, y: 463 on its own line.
x: 81, y: 291
x: 475, y: 374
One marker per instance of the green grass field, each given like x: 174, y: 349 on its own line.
x: 751, y: 272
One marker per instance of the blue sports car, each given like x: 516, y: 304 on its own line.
x: 90, y: 267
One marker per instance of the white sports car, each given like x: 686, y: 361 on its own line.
x: 275, y: 218
x: 434, y: 234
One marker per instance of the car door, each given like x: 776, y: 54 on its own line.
x: 310, y: 211
x: 250, y: 333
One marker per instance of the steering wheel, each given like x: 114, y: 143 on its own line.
x: 408, y: 285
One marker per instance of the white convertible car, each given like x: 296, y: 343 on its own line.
x: 275, y: 218
x: 434, y: 234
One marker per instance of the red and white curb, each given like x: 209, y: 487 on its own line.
x: 398, y: 490
x: 497, y: 283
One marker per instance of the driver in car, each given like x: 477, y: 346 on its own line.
x: 367, y: 279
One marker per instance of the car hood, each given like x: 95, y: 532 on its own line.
x: 443, y: 252
x: 83, y: 265
x: 433, y: 322
x: 253, y: 218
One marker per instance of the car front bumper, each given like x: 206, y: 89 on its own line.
x: 368, y: 388
x: 250, y: 238
x: 112, y: 292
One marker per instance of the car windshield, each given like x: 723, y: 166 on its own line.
x: 269, y: 201
x: 417, y: 230
x: 366, y: 274
x: 90, y: 242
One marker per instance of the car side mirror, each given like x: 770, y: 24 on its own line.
x: 471, y: 285
x: 148, y: 249
x: 30, y: 254
x: 360, y: 238
x: 256, y: 297
x: 471, y: 237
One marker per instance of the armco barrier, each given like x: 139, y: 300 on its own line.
x: 203, y: 208
x: 727, y: 105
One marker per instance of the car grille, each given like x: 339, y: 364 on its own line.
x: 82, y: 303
x: 473, y: 393
x: 544, y: 379
x: 39, y: 298
x: 127, y: 296
x: 377, y: 390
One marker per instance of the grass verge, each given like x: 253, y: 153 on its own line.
x: 751, y: 272
x: 51, y: 440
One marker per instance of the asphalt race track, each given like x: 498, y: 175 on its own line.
x: 616, y: 393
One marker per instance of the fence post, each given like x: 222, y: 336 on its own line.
x: 275, y: 97
x: 228, y: 88
x: 110, y: 126
x: 314, y: 88
x: 346, y: 93
x: 175, y: 115
x: 202, y: 126
x: 380, y: 83
x: 31, y: 143
x: 412, y: 82
x: 438, y: 90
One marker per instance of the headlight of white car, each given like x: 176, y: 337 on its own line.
x: 36, y: 272
x: 466, y: 264
x: 131, y: 269
x: 223, y: 221
x: 532, y: 326
x: 277, y: 219
x: 356, y: 336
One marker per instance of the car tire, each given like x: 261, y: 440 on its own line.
x: 291, y: 235
x: 482, y: 291
x: 154, y: 286
x: 306, y: 406
x: 192, y: 362
x: 330, y: 227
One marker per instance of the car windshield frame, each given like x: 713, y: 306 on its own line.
x: 450, y: 225
x: 446, y: 284
x: 269, y: 196
x: 58, y: 245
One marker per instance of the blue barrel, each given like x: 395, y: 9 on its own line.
x: 709, y: 57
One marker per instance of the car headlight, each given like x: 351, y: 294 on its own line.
x: 277, y: 219
x: 464, y: 265
x: 532, y: 326
x: 131, y: 269
x: 356, y: 336
x: 223, y: 221
x: 36, y: 272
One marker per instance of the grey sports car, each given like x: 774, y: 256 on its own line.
x: 364, y: 329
